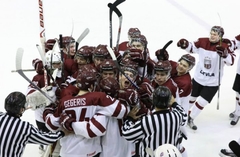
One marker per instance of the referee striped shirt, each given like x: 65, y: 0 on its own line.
x: 156, y: 129
x: 15, y: 134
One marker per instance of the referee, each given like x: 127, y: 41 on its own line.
x: 161, y: 127
x: 15, y: 133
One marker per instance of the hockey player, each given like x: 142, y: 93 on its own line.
x: 145, y: 129
x: 139, y: 53
x: 84, y: 56
x: 99, y: 55
x: 181, y: 76
x: 83, y: 107
x: 132, y: 32
x: 111, y: 147
x: 15, y: 133
x: 162, y: 71
x: 213, y: 56
x: 68, y: 47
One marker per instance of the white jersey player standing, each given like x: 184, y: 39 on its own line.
x: 213, y: 56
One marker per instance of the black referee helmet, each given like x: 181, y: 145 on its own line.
x: 161, y: 97
x: 14, y: 102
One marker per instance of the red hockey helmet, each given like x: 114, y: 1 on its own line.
x: 101, y: 51
x: 141, y: 38
x: 189, y: 59
x: 133, y: 32
x: 86, y: 79
x: 108, y: 65
x: 67, y: 40
x: 49, y: 44
x: 128, y: 65
x: 85, y: 52
x: 163, y: 66
x: 110, y: 86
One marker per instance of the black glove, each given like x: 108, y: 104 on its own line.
x: 183, y: 43
x: 222, y: 51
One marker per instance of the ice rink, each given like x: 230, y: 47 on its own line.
x: 159, y: 20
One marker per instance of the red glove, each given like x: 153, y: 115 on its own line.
x: 238, y: 37
x: 222, y: 51
x: 227, y: 41
x: 128, y: 97
x: 162, y: 55
x: 66, y: 121
x: 183, y: 43
x: 134, y: 54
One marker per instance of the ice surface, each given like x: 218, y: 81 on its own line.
x: 159, y: 20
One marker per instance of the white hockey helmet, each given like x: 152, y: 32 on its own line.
x: 167, y: 150
x: 52, y: 57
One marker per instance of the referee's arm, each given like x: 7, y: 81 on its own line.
x: 132, y: 131
x: 180, y: 112
x: 38, y: 137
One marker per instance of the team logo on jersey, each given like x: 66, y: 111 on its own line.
x: 207, y: 63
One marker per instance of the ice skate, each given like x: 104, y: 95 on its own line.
x: 231, y: 115
x: 234, y: 120
x: 41, y: 149
x: 191, y: 124
x: 226, y: 153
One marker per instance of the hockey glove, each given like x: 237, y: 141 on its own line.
x: 222, y: 51
x: 162, y: 55
x: 128, y: 97
x: 66, y: 121
x: 183, y: 43
x: 238, y: 37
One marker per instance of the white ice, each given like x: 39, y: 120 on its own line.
x: 159, y: 20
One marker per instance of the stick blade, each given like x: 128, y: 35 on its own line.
x: 19, y: 58
x: 112, y: 54
x: 83, y: 35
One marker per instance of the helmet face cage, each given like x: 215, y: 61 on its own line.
x: 218, y: 29
x: 52, y: 57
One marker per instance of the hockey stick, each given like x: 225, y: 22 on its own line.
x: 219, y: 70
x: 25, y: 70
x: 62, y: 56
x: 166, y: 45
x: 235, y: 147
x: 42, y: 36
x: 111, y: 8
x: 119, y: 68
x: 190, y: 14
x: 145, y: 60
x: 81, y: 37
x: 119, y: 14
x: 19, y: 56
